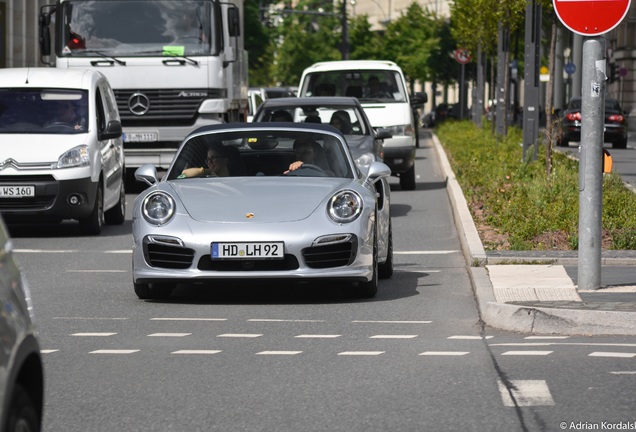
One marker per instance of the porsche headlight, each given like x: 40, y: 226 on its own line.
x: 158, y: 208
x: 76, y: 157
x: 364, y: 160
x: 345, y: 206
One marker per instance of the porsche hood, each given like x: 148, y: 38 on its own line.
x: 256, y: 199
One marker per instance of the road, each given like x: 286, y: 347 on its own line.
x: 307, y: 358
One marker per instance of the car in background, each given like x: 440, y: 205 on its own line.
x: 261, y: 220
x: 345, y: 113
x: 615, y: 125
x: 256, y: 96
x: 62, y: 155
x: 21, y: 368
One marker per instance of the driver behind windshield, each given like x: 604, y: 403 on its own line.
x: 64, y: 114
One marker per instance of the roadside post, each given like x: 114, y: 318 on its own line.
x: 463, y: 57
x: 591, y: 19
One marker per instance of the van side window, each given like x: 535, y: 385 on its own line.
x: 100, y: 114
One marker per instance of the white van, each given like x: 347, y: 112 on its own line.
x: 380, y: 87
x: 61, y: 153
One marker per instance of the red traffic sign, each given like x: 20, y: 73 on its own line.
x: 462, y: 55
x: 591, y: 17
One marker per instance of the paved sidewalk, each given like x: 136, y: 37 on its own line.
x: 536, y: 291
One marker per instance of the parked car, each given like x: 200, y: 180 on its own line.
x: 21, y: 369
x: 323, y: 221
x: 615, y: 126
x: 345, y: 113
x: 61, y: 147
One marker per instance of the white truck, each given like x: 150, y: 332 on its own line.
x: 174, y: 65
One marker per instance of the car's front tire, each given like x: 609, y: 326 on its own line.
x: 92, y: 225
x: 385, y: 269
x: 407, y: 179
x: 22, y: 415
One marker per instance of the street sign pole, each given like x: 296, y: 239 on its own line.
x: 591, y: 163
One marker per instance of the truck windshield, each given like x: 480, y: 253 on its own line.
x: 366, y: 85
x: 43, y: 111
x: 136, y: 28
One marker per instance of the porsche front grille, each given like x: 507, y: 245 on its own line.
x: 171, y: 257
x: 333, y: 255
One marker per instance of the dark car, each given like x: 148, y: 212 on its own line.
x: 615, y: 124
x: 344, y: 113
x: 21, y: 366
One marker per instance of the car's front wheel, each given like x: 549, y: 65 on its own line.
x: 370, y: 288
x: 407, y: 179
x: 22, y: 416
x: 92, y: 225
x: 385, y: 269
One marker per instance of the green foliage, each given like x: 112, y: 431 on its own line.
x: 364, y: 43
x: 518, y: 199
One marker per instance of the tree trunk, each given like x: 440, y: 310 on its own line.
x: 549, y: 100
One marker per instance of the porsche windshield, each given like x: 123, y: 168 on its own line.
x: 137, y: 28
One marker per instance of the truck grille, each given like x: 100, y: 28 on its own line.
x: 165, y: 107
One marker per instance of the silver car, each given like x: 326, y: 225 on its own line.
x: 275, y: 201
x: 21, y: 370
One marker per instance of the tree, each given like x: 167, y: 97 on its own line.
x: 410, y: 41
x: 365, y: 44
x: 258, y: 37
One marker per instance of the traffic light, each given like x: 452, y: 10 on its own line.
x: 613, y: 73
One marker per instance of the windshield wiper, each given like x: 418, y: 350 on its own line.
x: 106, y: 56
x: 172, y: 56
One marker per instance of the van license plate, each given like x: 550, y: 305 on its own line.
x: 248, y: 250
x: 17, y: 191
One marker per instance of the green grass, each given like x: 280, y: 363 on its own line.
x: 519, y: 200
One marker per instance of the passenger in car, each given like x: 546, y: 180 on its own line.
x: 217, y: 164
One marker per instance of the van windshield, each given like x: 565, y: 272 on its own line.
x: 43, y: 111
x: 137, y: 28
x: 366, y: 85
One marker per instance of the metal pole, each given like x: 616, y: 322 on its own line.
x: 531, y: 109
x: 345, y: 32
x: 462, y: 91
x: 591, y: 163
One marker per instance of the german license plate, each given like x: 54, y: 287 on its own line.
x: 248, y: 250
x: 17, y: 191
x: 141, y: 137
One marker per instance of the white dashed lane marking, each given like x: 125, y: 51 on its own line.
x: 460, y: 337
x: 444, y: 353
x: 393, y: 337
x: 361, y: 353
x: 114, y: 351
x: 169, y: 334
x: 240, y: 335
x: 188, y: 319
x: 278, y: 352
x: 318, y: 336
x: 612, y: 354
x: 391, y: 322
x: 197, y: 352
x: 94, y: 334
x: 526, y: 393
x: 527, y: 353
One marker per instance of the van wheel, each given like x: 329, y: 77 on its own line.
x: 407, y: 179
x: 92, y: 225
x: 117, y: 214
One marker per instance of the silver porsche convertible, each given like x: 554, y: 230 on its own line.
x: 268, y: 201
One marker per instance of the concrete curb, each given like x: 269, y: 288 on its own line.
x: 518, y: 318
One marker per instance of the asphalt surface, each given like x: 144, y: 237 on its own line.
x: 536, y: 291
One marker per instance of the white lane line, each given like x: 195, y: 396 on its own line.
x: 526, y: 393
x: 93, y: 334
x: 623, y: 373
x: 391, y: 322
x: 444, y: 353
x: 188, y: 319
x: 169, y: 334
x: 96, y: 271
x: 393, y: 337
x: 90, y: 318
x: 361, y: 353
x: 196, y: 352
x: 45, y: 251
x: 612, y: 354
x: 546, y: 337
x: 527, y: 353
x: 461, y: 337
x: 283, y: 320
x: 318, y: 336
x: 426, y: 252
x: 240, y: 335
x: 48, y: 351
x: 522, y: 344
x: 278, y: 352
x: 122, y: 251
x: 114, y: 351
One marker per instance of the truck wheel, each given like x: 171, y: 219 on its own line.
x: 117, y: 214
x: 407, y: 179
x: 92, y: 225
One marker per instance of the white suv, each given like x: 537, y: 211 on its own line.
x: 61, y: 152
